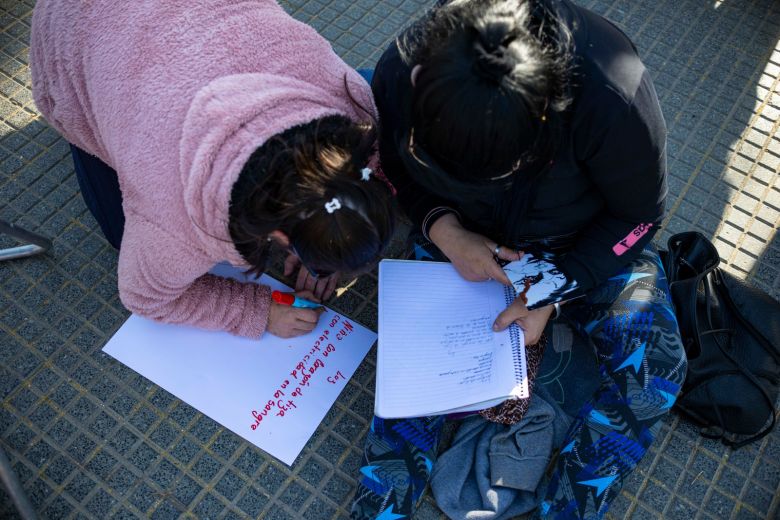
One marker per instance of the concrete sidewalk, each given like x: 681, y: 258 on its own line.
x: 92, y: 439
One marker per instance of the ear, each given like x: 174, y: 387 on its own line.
x: 280, y: 238
x: 415, y: 72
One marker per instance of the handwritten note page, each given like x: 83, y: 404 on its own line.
x: 437, y: 350
x: 273, y: 392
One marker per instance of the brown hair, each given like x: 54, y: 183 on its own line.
x: 286, y: 183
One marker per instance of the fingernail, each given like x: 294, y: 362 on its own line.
x: 495, y: 326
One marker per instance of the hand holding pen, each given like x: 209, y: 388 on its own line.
x: 293, y: 314
x: 293, y: 300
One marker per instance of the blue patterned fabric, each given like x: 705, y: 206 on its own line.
x: 631, y: 323
x: 397, y: 463
x: 641, y: 367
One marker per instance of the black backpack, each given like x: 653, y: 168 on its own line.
x: 731, y: 333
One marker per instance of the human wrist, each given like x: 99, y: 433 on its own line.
x: 550, y: 311
x: 444, y: 214
x: 556, y: 313
x: 440, y: 228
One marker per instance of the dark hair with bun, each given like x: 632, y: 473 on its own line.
x: 286, y: 184
x: 492, y: 85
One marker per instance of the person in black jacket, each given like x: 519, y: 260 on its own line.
x: 511, y: 126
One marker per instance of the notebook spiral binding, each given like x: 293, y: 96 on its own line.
x: 518, y: 360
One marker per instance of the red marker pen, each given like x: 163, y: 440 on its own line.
x: 290, y: 299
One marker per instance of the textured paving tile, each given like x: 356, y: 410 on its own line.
x: 89, y: 438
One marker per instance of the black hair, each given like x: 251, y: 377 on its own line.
x: 286, y: 184
x: 492, y: 85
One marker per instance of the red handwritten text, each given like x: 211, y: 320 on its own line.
x: 283, y: 407
x: 329, y: 350
x: 262, y: 413
x: 332, y: 379
x: 344, y: 332
x: 301, y: 376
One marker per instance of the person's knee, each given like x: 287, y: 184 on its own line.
x: 675, y: 366
x: 665, y: 384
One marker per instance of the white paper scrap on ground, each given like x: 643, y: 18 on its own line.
x: 272, y: 392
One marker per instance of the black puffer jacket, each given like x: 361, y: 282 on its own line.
x: 605, y: 189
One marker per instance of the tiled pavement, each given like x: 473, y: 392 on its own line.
x: 91, y: 439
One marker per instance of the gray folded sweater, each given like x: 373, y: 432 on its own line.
x: 494, y: 472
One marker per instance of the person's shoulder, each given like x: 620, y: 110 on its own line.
x: 392, y: 68
x: 607, y: 63
x: 391, y: 86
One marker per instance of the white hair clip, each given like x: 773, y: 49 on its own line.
x: 366, y: 173
x: 333, y: 205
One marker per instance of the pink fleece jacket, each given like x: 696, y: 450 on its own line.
x: 175, y: 95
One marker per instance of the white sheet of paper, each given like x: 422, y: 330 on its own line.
x: 233, y: 379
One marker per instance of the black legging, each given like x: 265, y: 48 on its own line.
x: 100, y: 188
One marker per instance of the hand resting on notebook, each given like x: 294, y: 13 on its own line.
x: 532, y: 322
x: 472, y: 254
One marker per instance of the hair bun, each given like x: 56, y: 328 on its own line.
x: 493, y: 58
x: 493, y: 64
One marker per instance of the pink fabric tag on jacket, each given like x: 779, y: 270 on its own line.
x: 631, y: 239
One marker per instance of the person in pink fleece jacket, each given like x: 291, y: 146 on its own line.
x: 231, y: 128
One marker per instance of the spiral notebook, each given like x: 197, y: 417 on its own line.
x: 438, y: 353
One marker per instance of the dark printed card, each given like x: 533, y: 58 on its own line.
x: 538, y: 280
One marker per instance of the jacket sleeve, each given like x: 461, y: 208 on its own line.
x: 391, y: 79
x: 627, y: 163
x: 163, y: 279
